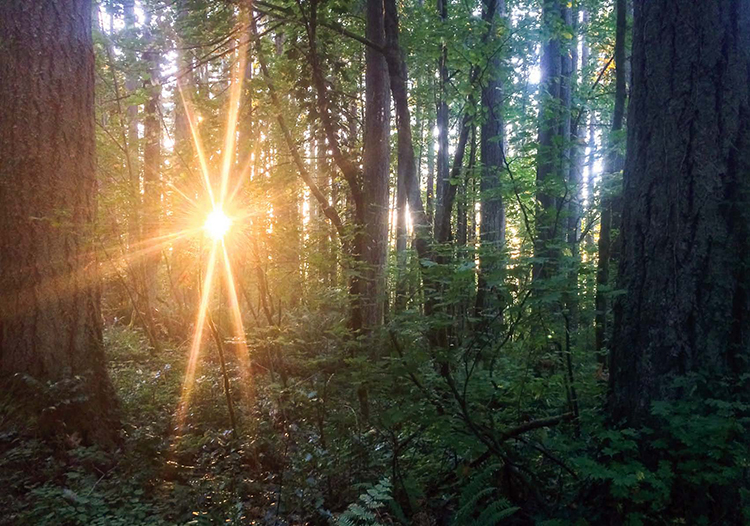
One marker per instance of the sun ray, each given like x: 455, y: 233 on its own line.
x: 189, y: 380
x: 240, y: 348
x: 62, y: 286
x: 183, y: 195
x: 246, y: 167
x: 233, y: 114
x: 186, y: 103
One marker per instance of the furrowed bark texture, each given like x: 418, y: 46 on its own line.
x: 50, y: 322
x: 686, y: 225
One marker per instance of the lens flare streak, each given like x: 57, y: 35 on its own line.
x: 216, y: 227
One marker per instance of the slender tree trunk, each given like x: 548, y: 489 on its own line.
x: 401, y: 242
x: 132, y: 148
x: 50, y: 320
x: 462, y: 204
x: 445, y: 203
x: 614, y: 163
x: 492, y: 226
x: 407, y: 168
x: 375, y: 164
x: 554, y: 138
x: 430, y: 196
x: 443, y: 115
x: 151, y: 171
x: 575, y: 185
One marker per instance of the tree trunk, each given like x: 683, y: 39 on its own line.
x: 443, y: 115
x: 151, y: 171
x: 492, y: 225
x: 407, y: 168
x: 131, y: 148
x: 575, y: 187
x: 554, y: 138
x: 50, y: 320
x: 464, y: 204
x: 430, y: 196
x: 686, y: 224
x: 445, y: 202
x: 375, y: 165
x: 401, y: 242
x: 614, y: 162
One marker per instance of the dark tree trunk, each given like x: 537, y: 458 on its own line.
x: 50, y: 322
x: 445, y: 202
x: 463, y: 204
x: 375, y: 165
x: 686, y: 224
x: 492, y: 226
x: 407, y: 167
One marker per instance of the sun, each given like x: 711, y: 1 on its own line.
x: 217, y: 224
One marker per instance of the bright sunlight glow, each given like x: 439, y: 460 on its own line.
x: 217, y: 224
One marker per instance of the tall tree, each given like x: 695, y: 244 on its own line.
x: 492, y: 226
x: 50, y: 321
x: 614, y: 163
x: 375, y: 166
x: 554, y: 133
x: 151, y: 166
x: 443, y: 115
x: 132, y: 145
x: 686, y: 228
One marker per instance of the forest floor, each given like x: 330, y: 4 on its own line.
x: 274, y: 472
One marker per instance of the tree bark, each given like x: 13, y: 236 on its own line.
x: 614, y: 163
x: 50, y: 320
x: 132, y: 146
x: 407, y: 167
x: 492, y: 225
x: 554, y: 137
x: 686, y: 224
x: 443, y: 116
x: 375, y: 167
x: 151, y: 223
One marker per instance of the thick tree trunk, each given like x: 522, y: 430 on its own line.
x: 492, y: 226
x: 375, y: 165
x: 50, y: 322
x: 686, y: 224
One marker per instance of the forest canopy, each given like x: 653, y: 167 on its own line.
x: 368, y: 262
